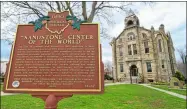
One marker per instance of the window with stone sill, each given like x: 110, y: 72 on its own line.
x: 162, y: 63
x: 134, y: 49
x: 129, y: 50
x: 148, y: 64
x: 146, y: 47
x: 120, y: 51
x: 121, y: 67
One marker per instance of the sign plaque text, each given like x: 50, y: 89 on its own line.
x: 56, y: 58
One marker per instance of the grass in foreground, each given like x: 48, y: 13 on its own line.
x: 165, y: 87
x: 115, y: 97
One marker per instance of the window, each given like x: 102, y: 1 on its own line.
x: 134, y: 49
x: 146, y: 47
x: 144, y: 35
x: 162, y: 63
x: 133, y: 37
x: 159, y: 45
x: 130, y: 37
x: 146, y: 50
x: 120, y: 51
x: 129, y: 50
x: 130, y: 22
x: 149, y: 69
x: 121, y: 67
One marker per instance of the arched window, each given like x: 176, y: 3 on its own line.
x: 130, y: 22
x: 149, y: 68
x: 131, y: 36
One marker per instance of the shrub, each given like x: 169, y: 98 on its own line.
x: 141, y: 78
x: 2, y: 79
x: 107, y: 77
x: 179, y: 76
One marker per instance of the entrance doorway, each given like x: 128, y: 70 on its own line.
x: 134, y: 70
x: 133, y: 74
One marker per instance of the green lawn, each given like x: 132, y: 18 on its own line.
x: 115, y: 97
x: 165, y: 87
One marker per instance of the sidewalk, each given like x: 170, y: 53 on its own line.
x: 117, y: 83
x: 5, y: 94
x: 165, y: 91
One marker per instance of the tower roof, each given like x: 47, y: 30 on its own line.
x: 130, y: 13
x: 131, y: 19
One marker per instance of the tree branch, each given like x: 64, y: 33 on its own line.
x: 63, y: 7
x: 27, y: 6
x: 58, y: 6
x: 69, y: 8
x: 84, y: 13
x: 90, y: 19
x: 51, y: 7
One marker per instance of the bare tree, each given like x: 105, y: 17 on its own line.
x: 108, y: 67
x: 181, y: 65
x: 23, y: 12
x: 182, y: 53
x: 182, y: 68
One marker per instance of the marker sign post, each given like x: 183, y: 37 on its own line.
x: 56, y: 59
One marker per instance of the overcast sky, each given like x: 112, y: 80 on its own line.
x: 171, y: 14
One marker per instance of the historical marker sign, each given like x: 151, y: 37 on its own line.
x: 56, y: 58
